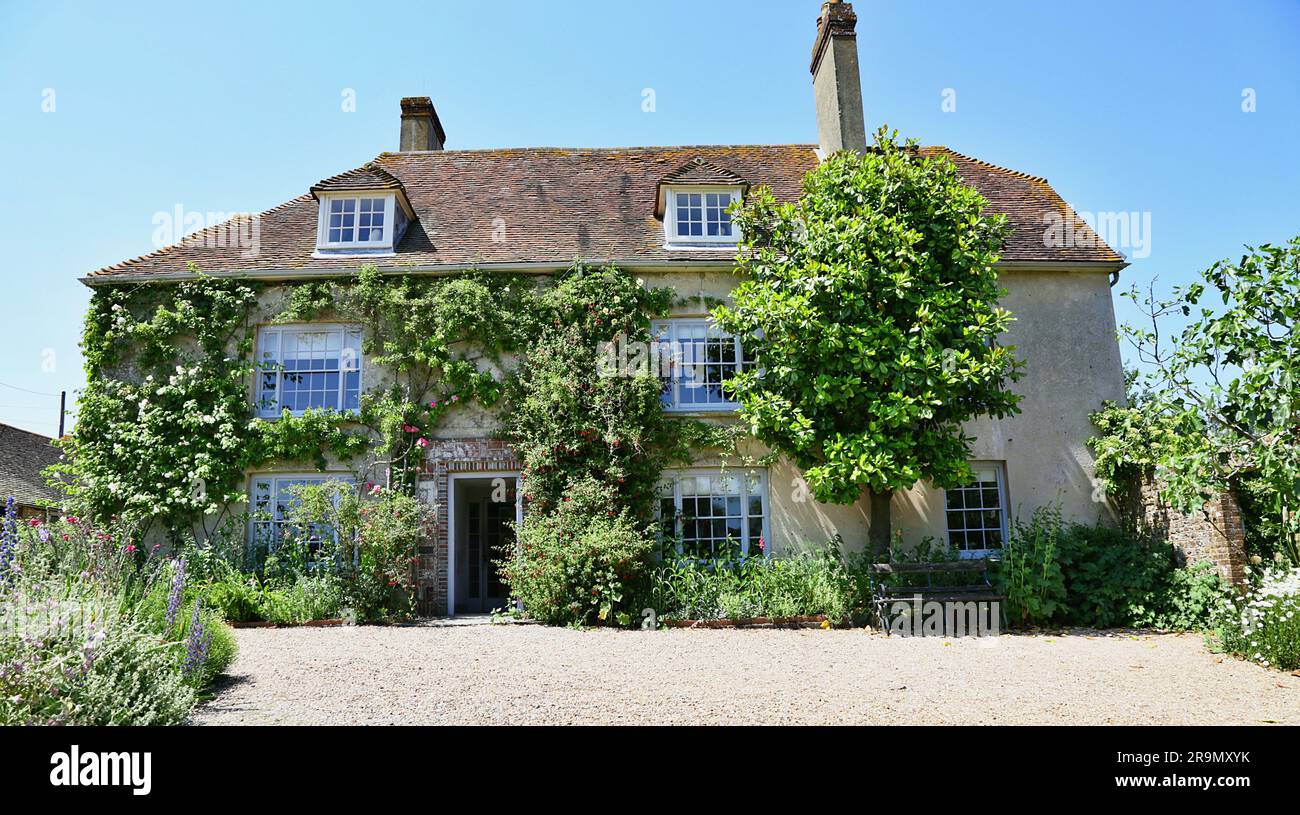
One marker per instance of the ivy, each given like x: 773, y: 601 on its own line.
x: 164, y: 432
x: 571, y: 419
x: 305, y: 437
x: 162, y: 419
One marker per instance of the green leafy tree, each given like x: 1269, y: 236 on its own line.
x: 1222, y: 369
x: 871, y: 305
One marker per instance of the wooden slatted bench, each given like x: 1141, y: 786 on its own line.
x: 978, y: 592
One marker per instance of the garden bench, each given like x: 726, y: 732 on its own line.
x: 945, y: 592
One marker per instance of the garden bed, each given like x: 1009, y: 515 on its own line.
x: 305, y: 624
x: 807, y: 621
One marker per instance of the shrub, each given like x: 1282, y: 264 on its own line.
x: 1264, y: 624
x: 581, y: 564
x: 309, y: 597
x: 93, y: 630
x: 1193, y: 598
x: 219, y: 651
x: 235, y: 601
x: 1099, y: 577
x: 70, y: 655
x: 136, y: 679
x: 367, y: 540
x: 1030, y: 574
x: 1111, y: 580
x: 804, y: 584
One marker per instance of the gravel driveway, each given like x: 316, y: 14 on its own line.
x: 523, y: 674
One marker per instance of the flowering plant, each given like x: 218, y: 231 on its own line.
x: 368, y: 537
x: 1263, y: 625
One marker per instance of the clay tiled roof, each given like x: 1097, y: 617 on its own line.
x: 22, y: 457
x: 552, y: 205
x: 369, y: 177
x: 698, y: 170
x: 1027, y: 200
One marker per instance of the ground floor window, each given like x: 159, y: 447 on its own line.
x: 977, y: 518
x: 712, y: 514
x: 272, y: 497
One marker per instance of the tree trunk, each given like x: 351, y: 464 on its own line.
x: 879, y: 533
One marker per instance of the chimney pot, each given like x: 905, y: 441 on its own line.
x: 837, y: 86
x: 421, y: 129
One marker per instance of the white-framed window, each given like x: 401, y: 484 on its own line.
x: 361, y: 221
x: 271, y: 496
x: 308, y: 366
x: 714, y: 515
x: 698, y: 215
x: 694, y: 359
x: 977, y: 516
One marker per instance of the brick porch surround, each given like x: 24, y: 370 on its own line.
x: 447, y: 457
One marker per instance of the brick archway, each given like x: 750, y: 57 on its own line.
x: 446, y: 457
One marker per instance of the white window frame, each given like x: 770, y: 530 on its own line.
x: 760, y: 476
x: 276, y: 478
x: 350, y: 337
x: 671, y: 356
x: 322, y: 220
x: 674, y: 241
x: 999, y: 471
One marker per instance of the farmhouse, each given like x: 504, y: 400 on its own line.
x: 662, y: 214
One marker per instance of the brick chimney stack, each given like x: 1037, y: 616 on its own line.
x: 421, y: 129
x: 837, y: 87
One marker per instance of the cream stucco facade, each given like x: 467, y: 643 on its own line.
x: 1064, y: 331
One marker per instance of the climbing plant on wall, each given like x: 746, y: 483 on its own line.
x: 165, y: 432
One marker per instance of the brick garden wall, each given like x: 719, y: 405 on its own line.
x: 1216, y: 533
x: 446, y: 457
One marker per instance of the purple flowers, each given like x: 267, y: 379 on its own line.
x: 177, y: 594
x: 8, y: 537
x: 196, y: 644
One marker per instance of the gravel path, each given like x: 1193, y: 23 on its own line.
x: 523, y: 674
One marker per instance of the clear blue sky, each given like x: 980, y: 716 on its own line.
x: 1123, y: 106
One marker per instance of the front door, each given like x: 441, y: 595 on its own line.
x: 486, y: 513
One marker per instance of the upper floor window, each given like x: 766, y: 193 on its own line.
x: 308, y: 366
x: 695, y: 358
x: 698, y: 215
x: 977, y: 518
x: 364, y: 221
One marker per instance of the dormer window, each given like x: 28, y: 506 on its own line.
x: 693, y: 200
x: 700, y: 215
x: 357, y: 221
x: 362, y: 212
